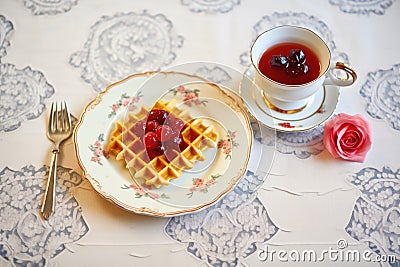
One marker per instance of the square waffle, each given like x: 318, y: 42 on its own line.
x: 125, y: 145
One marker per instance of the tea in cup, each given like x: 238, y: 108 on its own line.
x: 291, y: 64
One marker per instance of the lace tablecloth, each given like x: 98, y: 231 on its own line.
x: 309, y: 208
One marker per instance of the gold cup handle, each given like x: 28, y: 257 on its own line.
x: 341, y: 75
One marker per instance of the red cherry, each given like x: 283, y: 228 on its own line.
x: 158, y: 115
x: 164, y: 133
x: 158, y: 150
x: 151, y: 126
x: 150, y: 140
x: 278, y: 61
x: 297, y: 55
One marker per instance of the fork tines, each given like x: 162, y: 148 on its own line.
x: 59, y: 114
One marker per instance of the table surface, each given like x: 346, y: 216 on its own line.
x: 308, y: 201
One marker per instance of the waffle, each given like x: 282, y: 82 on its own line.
x: 125, y: 145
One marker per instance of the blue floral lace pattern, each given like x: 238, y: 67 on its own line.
x: 25, y: 238
x: 126, y: 43
x: 226, y: 233
x: 210, y: 6
x: 6, y: 28
x: 23, y: 93
x: 215, y: 74
x: 362, y: 7
x: 302, y: 144
x: 382, y: 93
x: 376, y: 215
x: 49, y: 7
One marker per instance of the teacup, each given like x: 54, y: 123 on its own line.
x: 287, y: 97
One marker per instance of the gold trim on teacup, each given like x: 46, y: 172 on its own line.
x: 275, y: 127
x: 284, y: 111
x: 268, y: 112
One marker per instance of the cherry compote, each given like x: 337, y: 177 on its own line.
x: 161, y: 133
x: 290, y: 63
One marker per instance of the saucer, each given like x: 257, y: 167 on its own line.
x: 319, y: 108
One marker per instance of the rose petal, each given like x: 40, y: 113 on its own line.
x: 330, y: 140
x: 352, y: 138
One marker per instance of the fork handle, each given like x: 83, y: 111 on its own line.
x: 49, y: 195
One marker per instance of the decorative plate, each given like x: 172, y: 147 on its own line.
x: 197, y: 188
x: 320, y: 107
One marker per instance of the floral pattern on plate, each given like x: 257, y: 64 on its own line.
x: 376, y: 215
x: 49, y: 7
x: 24, y: 235
x: 201, y: 184
x: 98, y: 152
x: 123, y: 102
x: 6, y: 28
x: 382, y: 93
x: 23, y: 93
x: 213, y: 6
x: 95, y: 121
x: 144, y: 191
x: 126, y: 43
x: 198, y: 185
x: 362, y: 7
x: 228, y: 143
x: 244, y: 219
x: 190, y: 96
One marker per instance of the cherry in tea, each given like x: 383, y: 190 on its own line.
x: 290, y: 63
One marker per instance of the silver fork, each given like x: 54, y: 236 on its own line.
x: 59, y: 129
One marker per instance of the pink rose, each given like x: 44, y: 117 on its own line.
x: 210, y: 182
x: 227, y: 144
x: 181, y: 89
x: 125, y: 102
x: 97, y: 144
x: 348, y: 137
x: 134, y: 187
x: 190, y: 96
x: 95, y: 159
x: 198, y: 182
x: 228, y: 151
x: 135, y: 99
x: 152, y: 195
x: 98, y: 152
x: 139, y: 191
x: 114, y: 107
